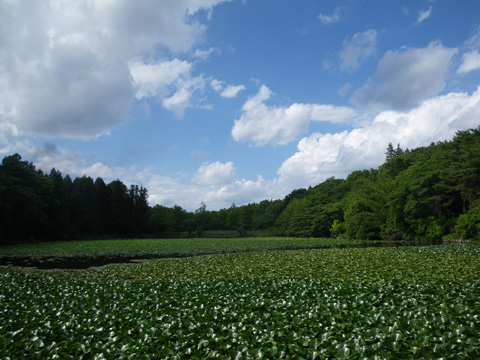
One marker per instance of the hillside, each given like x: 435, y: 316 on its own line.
x: 428, y: 193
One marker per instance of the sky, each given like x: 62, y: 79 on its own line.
x: 238, y: 101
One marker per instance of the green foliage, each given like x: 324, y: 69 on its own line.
x: 424, y: 193
x: 35, y: 206
x: 162, y: 247
x: 367, y: 205
x: 408, y: 302
x: 27, y: 201
x: 338, y: 228
x: 239, y: 319
x: 468, y: 224
x: 311, y: 213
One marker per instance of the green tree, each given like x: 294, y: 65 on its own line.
x: 82, y: 201
x: 101, y: 206
x: 232, y: 220
x: 177, y: 219
x: 60, y: 210
x: 138, y: 196
x: 201, y: 219
x: 245, y: 218
x: 27, y: 200
x: 159, y: 220
x: 467, y: 225
x: 367, y: 207
x: 120, y: 206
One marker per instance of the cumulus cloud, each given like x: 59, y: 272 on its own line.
x: 181, y: 99
x: 264, y: 124
x: 170, y: 81
x: 154, y: 79
x: 65, y: 65
x: 228, y: 91
x: 335, y: 17
x: 406, y: 77
x: 170, y: 191
x: 216, y: 85
x: 216, y: 173
x: 320, y: 156
x: 72, y: 163
x: 357, y: 49
x: 470, y: 62
x: 231, y: 91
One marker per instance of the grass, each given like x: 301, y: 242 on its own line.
x: 408, y: 302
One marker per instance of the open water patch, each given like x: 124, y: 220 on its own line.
x: 79, y: 262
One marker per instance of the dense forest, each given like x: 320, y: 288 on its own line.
x: 428, y: 193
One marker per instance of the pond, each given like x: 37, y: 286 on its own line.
x: 85, y: 262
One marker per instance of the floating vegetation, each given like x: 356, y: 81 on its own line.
x: 409, y: 302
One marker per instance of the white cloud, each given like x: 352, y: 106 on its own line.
x: 470, y: 62
x: 229, y: 91
x: 181, y: 99
x: 65, y: 65
x: 213, y: 183
x: 195, y: 5
x: 264, y: 124
x: 357, y: 49
x: 215, y: 173
x: 423, y: 15
x: 154, y: 79
x: 203, y: 54
x: 335, y: 17
x: 170, y: 81
x: 474, y: 41
x: 170, y: 191
x: 406, y: 77
x: 320, y: 156
x: 216, y: 85
x: 72, y: 163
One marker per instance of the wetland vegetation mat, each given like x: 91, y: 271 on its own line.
x: 395, y: 302
x: 85, y: 254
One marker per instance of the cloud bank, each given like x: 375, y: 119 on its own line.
x: 406, y: 77
x: 322, y: 155
x: 263, y: 124
x: 214, y: 174
x: 67, y: 67
x: 318, y: 157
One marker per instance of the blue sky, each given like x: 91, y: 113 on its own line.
x: 232, y: 101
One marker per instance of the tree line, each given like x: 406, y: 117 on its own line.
x: 39, y: 206
x: 427, y: 193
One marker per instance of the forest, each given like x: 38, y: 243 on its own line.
x: 427, y: 193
